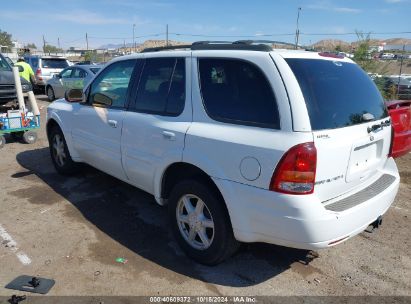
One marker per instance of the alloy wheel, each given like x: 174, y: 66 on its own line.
x: 59, y: 153
x: 195, y: 222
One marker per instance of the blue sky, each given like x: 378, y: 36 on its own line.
x: 111, y: 21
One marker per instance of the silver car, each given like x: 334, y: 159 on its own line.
x: 73, y: 77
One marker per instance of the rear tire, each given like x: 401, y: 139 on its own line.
x: 2, y: 141
x: 60, y: 154
x: 200, y: 222
x: 30, y: 137
x: 50, y: 94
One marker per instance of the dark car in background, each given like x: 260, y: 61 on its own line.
x: 403, y: 87
x: 7, y: 84
x: 9, y: 60
x: 394, y: 87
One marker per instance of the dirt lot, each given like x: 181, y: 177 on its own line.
x: 73, y: 229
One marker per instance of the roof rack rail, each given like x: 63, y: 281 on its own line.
x: 246, y: 45
x: 208, y: 42
x: 165, y: 48
x: 229, y: 45
x: 264, y: 42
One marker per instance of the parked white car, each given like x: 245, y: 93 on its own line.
x: 242, y: 142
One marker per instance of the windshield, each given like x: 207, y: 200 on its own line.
x: 54, y: 63
x: 4, y: 65
x: 337, y: 94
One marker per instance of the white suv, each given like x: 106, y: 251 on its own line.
x: 242, y: 142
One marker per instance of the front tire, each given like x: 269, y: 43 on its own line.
x: 60, y: 154
x: 50, y: 94
x: 200, y: 222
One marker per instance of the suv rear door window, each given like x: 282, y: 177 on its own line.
x: 162, y: 87
x: 237, y: 91
x: 66, y: 73
x: 79, y: 73
x: 54, y: 63
x: 337, y: 94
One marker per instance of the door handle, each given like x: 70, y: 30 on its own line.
x: 112, y: 123
x: 169, y: 135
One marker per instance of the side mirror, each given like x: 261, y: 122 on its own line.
x: 74, y: 95
x: 21, y: 69
x: 102, y: 99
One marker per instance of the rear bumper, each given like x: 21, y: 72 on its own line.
x: 41, y: 83
x: 259, y: 215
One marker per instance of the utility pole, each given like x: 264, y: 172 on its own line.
x: 44, y: 44
x: 167, y: 35
x: 134, y: 42
x: 87, y: 41
x: 58, y: 42
x: 399, y: 76
x: 297, y: 31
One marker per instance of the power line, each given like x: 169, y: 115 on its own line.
x: 178, y: 34
x: 240, y: 36
x: 353, y: 33
x: 122, y: 38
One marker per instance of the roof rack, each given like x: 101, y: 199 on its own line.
x: 264, y: 42
x: 246, y: 45
x: 165, y: 48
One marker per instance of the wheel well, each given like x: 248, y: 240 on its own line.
x: 50, y: 125
x: 181, y: 171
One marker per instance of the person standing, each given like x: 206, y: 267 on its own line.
x: 27, y: 72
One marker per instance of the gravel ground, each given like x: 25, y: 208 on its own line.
x: 73, y: 229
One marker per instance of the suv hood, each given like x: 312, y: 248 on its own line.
x: 7, y: 78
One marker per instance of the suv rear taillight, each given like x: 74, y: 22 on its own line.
x: 38, y: 74
x: 295, y: 173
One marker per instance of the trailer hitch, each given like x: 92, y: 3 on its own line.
x: 374, y: 225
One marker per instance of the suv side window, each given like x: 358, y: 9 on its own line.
x: 67, y: 73
x: 110, y: 87
x: 162, y: 87
x: 237, y: 91
x: 79, y: 73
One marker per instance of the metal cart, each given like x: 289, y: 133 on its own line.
x: 19, y: 125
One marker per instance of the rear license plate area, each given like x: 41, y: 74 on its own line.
x: 364, y: 159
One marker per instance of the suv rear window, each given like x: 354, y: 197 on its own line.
x: 337, y: 94
x: 54, y: 63
x: 236, y: 91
